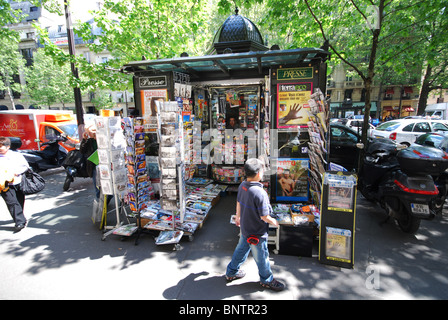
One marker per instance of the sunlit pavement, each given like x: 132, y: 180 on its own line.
x: 60, y: 255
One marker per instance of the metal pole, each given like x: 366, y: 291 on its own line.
x: 71, y: 50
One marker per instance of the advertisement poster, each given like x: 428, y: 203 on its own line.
x: 338, y: 244
x: 292, y: 104
x: 149, y: 97
x: 340, y: 193
x: 292, y: 179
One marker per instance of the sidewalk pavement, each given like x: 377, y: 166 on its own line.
x: 60, y: 255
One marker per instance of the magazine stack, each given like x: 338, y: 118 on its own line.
x: 317, y: 146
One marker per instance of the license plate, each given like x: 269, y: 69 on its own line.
x: 419, y: 208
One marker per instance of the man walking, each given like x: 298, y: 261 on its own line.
x: 13, y: 164
x: 252, y: 216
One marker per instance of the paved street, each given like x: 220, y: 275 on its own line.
x: 60, y: 255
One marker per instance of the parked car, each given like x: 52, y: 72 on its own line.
x: 439, y: 141
x: 355, y: 125
x: 435, y: 140
x: 343, y: 150
x: 406, y: 131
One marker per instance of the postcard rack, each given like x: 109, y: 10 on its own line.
x: 112, y: 173
x: 169, y: 210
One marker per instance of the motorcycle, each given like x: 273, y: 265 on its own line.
x: 51, y: 157
x: 75, y: 166
x: 401, y: 182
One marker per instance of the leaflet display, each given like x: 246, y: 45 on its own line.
x: 337, y: 224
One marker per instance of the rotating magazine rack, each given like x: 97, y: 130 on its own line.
x: 112, y: 173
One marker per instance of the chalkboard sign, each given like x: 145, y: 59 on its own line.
x: 337, y: 220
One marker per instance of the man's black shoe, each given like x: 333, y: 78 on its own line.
x: 19, y: 227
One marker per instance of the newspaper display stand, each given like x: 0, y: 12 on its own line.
x: 337, y: 221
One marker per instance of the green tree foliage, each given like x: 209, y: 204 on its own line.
x: 48, y: 82
x: 397, y: 39
x: 11, y: 64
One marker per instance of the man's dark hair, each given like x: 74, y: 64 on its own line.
x: 5, y: 141
x: 252, y: 167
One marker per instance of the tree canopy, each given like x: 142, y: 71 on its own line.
x: 387, y: 40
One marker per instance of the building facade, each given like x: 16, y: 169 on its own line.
x: 57, y: 30
x: 347, y: 97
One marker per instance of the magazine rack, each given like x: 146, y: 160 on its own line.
x: 172, y: 185
x: 111, y: 172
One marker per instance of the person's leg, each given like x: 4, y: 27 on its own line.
x: 97, y: 190
x: 260, y: 253
x: 14, y: 200
x: 239, y: 256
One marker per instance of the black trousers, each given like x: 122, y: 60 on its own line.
x: 15, y: 200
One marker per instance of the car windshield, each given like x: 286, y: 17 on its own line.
x: 70, y: 130
x: 388, y: 126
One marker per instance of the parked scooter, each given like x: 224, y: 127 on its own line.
x: 440, y: 178
x: 401, y: 181
x: 75, y: 166
x: 51, y: 157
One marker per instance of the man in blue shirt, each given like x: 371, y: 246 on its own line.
x: 252, y: 216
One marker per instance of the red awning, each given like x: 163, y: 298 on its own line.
x: 408, y: 90
x: 388, y: 108
x: 390, y: 91
x: 408, y: 109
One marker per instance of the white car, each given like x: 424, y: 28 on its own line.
x: 405, y: 131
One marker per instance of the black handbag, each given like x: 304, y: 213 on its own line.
x: 31, y: 182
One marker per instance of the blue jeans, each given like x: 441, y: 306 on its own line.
x: 261, y: 256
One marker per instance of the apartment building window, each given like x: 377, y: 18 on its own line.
x: 348, y: 94
x: 363, y: 95
x: 388, y: 94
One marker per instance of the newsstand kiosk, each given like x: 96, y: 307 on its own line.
x: 246, y: 100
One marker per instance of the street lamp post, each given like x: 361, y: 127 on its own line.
x: 71, y: 50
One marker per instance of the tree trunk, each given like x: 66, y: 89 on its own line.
x: 10, y: 95
x: 424, y: 92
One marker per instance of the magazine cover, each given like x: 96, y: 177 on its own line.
x: 338, y: 244
x: 292, y: 179
x: 168, y: 237
x: 149, y: 98
x: 292, y: 104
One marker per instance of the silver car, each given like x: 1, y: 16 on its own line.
x: 406, y: 131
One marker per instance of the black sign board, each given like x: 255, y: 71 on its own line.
x: 152, y: 82
x: 337, y: 220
